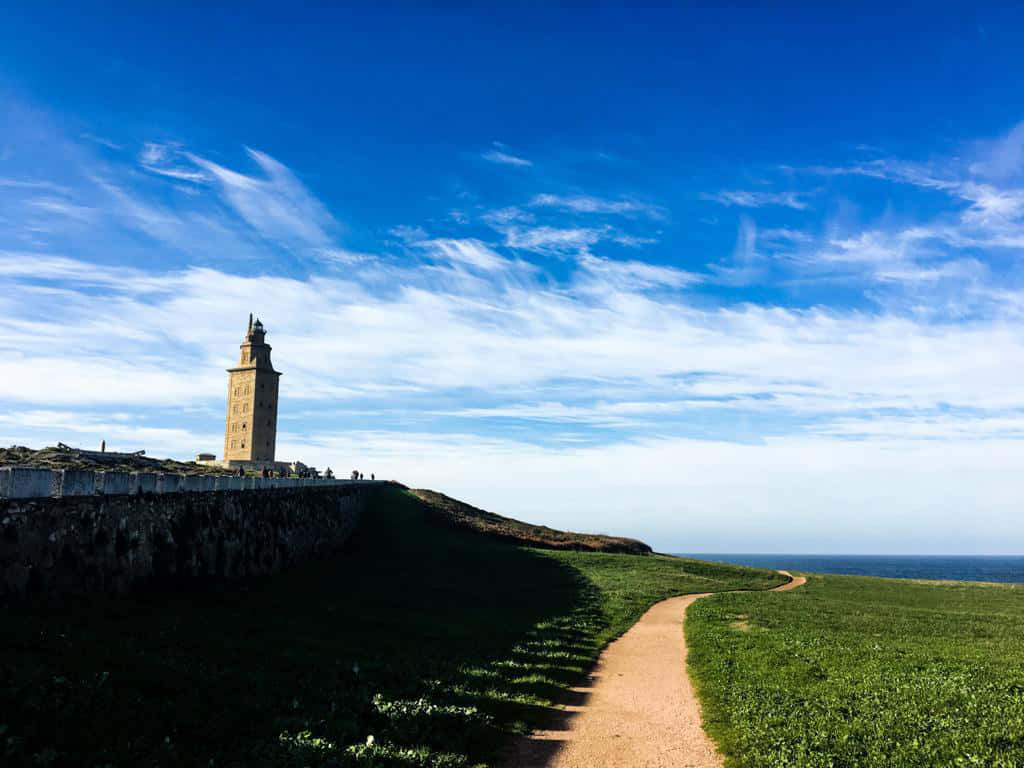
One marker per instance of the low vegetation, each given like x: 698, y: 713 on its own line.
x: 464, y: 515
x: 63, y: 457
x: 420, y: 644
x: 851, y: 671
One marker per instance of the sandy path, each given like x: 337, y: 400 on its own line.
x: 638, y: 709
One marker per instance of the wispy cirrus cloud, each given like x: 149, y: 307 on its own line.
x: 80, y: 213
x: 471, y: 252
x: 591, y: 204
x: 501, y: 157
x: 617, y: 274
x: 165, y: 160
x: 278, y: 206
x: 757, y: 199
x: 552, y: 240
x: 1001, y: 158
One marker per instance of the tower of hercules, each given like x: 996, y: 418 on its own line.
x: 251, y: 430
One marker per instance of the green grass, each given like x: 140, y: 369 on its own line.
x: 437, y: 642
x: 851, y: 671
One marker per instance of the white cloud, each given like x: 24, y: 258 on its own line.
x: 161, y: 159
x: 783, y: 234
x: 500, y: 335
x: 35, y: 184
x: 409, y: 234
x: 505, y: 158
x: 616, y: 274
x: 469, y: 252
x: 590, y: 204
x: 791, y: 494
x: 345, y: 257
x: 757, y: 199
x: 278, y: 206
x: 1002, y: 158
x: 554, y: 240
x: 80, y: 213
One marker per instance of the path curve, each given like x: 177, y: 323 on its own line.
x: 640, y: 710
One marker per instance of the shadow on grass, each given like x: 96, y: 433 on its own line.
x: 415, y: 646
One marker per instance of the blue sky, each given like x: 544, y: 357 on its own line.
x: 728, y: 280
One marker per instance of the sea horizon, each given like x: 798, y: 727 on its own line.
x: 983, y: 568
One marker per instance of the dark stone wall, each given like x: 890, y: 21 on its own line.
x: 117, y: 543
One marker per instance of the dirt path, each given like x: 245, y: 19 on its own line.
x: 638, y: 709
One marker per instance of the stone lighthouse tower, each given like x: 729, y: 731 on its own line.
x: 250, y: 433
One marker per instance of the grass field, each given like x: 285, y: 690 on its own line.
x: 418, y: 645
x: 851, y: 671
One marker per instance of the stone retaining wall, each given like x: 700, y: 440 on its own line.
x: 29, y: 483
x: 104, y: 542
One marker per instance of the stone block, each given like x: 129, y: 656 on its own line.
x: 236, y: 483
x: 168, y: 483
x: 222, y: 483
x: 25, y: 483
x: 250, y: 482
x: 117, y: 484
x: 143, y: 482
x: 77, y: 482
x: 192, y: 483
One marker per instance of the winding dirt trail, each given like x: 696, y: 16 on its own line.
x: 638, y: 709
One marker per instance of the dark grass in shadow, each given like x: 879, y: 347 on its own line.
x: 413, y: 634
x: 416, y: 645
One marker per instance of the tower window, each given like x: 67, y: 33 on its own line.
x: 243, y: 425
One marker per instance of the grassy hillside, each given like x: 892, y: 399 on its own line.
x: 418, y: 645
x: 56, y: 458
x: 851, y: 671
x: 464, y: 515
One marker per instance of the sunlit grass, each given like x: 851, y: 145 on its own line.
x: 851, y: 671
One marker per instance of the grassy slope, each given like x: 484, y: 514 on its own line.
x: 56, y: 459
x: 458, y: 513
x: 850, y: 671
x: 435, y: 641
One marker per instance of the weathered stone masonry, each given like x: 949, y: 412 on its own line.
x: 75, y: 544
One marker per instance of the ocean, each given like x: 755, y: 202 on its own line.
x: 1002, y: 568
